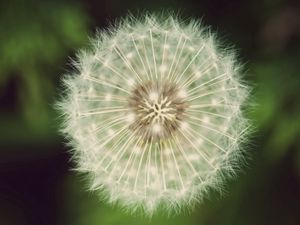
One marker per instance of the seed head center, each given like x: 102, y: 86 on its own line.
x: 158, y: 110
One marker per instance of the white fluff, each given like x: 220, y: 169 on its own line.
x: 175, y: 170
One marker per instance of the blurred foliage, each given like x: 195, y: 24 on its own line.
x: 36, y: 41
x: 278, y: 109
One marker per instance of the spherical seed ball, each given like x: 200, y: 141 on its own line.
x: 153, y: 113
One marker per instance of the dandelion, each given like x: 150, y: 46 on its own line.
x: 154, y: 114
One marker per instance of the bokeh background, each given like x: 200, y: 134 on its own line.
x: 38, y: 40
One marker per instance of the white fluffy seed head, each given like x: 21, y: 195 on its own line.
x: 154, y: 114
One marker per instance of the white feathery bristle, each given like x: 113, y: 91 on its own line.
x: 154, y: 114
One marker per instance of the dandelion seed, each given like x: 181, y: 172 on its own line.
x: 148, y: 114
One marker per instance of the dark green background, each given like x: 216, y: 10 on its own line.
x: 37, y: 40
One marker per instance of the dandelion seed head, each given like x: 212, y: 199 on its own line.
x: 154, y: 114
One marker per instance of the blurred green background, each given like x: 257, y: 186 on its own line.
x: 37, y: 41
